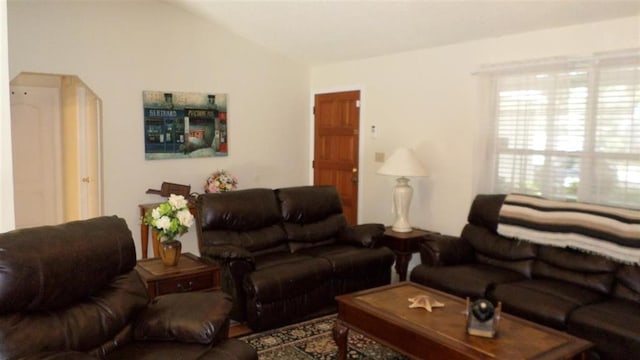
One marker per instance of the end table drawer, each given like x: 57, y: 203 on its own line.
x: 190, y: 274
x: 192, y: 283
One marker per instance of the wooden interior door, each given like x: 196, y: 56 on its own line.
x: 37, y: 175
x: 336, y: 142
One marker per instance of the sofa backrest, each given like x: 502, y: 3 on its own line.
x: 495, y: 250
x: 51, y: 267
x: 312, y: 215
x: 587, y: 270
x: 67, y: 287
x: 485, y: 210
x: 583, y: 269
x: 248, y: 218
x: 490, y: 248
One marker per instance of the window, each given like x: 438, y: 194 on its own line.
x: 570, y: 130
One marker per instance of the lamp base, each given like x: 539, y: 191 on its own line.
x: 401, y: 202
x: 401, y: 229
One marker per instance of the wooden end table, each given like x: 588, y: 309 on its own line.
x: 404, y: 245
x: 191, y: 274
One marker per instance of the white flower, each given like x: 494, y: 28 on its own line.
x: 171, y: 218
x: 177, y: 201
x: 163, y: 223
x: 185, y: 218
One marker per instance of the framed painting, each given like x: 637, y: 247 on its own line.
x: 181, y: 125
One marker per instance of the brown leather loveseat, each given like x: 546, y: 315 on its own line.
x: 70, y: 291
x: 584, y: 294
x: 286, y: 253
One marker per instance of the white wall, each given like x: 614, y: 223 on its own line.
x: 120, y: 49
x: 429, y: 100
x: 426, y: 99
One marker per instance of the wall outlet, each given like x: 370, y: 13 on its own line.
x: 379, y: 157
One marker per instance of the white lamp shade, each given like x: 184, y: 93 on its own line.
x: 403, y: 162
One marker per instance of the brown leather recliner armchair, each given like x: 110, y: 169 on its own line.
x: 70, y: 291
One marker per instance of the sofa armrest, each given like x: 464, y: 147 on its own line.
x: 235, y: 263
x: 192, y: 317
x: 366, y: 235
x: 443, y: 250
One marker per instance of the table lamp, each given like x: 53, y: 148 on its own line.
x: 402, y: 163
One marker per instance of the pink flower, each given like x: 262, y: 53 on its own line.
x: 220, y: 181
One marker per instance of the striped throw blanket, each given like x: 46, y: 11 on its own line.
x: 604, y: 230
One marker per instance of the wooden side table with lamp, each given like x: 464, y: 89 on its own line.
x: 402, y: 238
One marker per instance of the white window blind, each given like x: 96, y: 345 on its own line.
x: 569, y: 131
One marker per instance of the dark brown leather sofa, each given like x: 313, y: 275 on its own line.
x: 286, y: 253
x: 70, y: 291
x: 587, y: 295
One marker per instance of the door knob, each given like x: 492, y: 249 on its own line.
x: 86, y: 179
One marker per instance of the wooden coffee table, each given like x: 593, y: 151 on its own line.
x: 384, y: 315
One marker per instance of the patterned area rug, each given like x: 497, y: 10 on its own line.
x: 313, y: 340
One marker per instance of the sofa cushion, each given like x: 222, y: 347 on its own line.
x: 628, y: 283
x: 280, y: 258
x: 347, y: 260
x: 245, y: 218
x: 287, y: 277
x: 312, y: 215
x: 61, y: 355
x: 256, y: 241
x: 612, y: 325
x: 308, y: 204
x: 355, y: 268
x: 545, y: 301
x: 498, y: 251
x: 317, y: 233
x: 575, y: 267
x: 472, y: 280
x: 230, y: 349
x: 186, y: 317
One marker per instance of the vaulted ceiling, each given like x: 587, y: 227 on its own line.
x: 318, y: 32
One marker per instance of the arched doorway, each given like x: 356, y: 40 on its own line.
x: 56, y: 144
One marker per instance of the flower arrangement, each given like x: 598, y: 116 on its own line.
x: 170, y: 219
x: 220, y: 181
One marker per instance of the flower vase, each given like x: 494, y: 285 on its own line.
x: 170, y: 251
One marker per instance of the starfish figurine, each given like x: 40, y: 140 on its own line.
x: 424, y: 301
